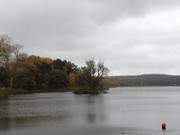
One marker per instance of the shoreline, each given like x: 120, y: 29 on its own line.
x: 5, y: 92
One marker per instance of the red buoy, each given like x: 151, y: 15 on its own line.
x: 163, y: 126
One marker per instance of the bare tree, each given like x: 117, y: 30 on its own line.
x: 6, y: 50
x: 9, y: 55
x: 17, y: 51
x: 91, y: 76
x: 102, y: 70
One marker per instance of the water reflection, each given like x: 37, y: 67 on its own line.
x: 123, y: 110
x: 88, y: 109
x: 4, y: 113
x: 95, y: 109
x: 30, y: 111
x: 7, y: 123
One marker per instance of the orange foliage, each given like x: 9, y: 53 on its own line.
x: 36, y: 59
x: 72, y: 79
x: 46, y: 60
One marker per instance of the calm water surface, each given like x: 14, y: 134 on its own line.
x: 129, y: 111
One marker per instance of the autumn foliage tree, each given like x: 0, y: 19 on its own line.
x: 72, y: 78
x: 34, y: 73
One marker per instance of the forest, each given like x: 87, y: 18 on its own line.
x: 30, y: 73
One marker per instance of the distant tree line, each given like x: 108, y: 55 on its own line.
x: 143, y: 80
x: 18, y: 70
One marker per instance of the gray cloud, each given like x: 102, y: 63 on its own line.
x: 130, y: 36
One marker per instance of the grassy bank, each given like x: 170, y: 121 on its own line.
x: 5, y: 92
x: 91, y: 91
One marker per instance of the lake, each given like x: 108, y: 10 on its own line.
x: 126, y: 110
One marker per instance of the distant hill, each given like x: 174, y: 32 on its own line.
x: 143, y: 80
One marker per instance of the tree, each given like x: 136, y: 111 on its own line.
x: 90, y: 77
x: 24, y: 79
x: 4, y: 77
x: 64, y: 65
x: 72, y: 78
x: 6, y: 50
x: 18, y: 70
x: 14, y: 64
x: 17, y: 51
x: 57, y: 79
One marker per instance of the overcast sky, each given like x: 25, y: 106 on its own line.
x: 130, y: 36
